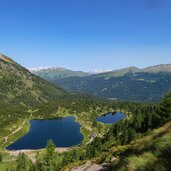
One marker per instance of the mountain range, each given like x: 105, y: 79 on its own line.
x: 131, y: 83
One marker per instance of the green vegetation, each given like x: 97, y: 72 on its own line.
x: 131, y: 142
x: 132, y: 145
x: 19, y: 86
x: 56, y: 73
x: 49, y: 160
x: 132, y: 87
x: 135, y: 143
x: 133, y: 84
x: 149, y: 153
x: 23, y: 163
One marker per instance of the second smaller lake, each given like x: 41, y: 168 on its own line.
x: 110, y: 118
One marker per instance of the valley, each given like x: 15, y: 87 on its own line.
x: 27, y: 98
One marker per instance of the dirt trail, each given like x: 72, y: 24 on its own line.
x: 17, y: 130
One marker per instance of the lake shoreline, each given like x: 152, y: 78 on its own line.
x: 28, y: 151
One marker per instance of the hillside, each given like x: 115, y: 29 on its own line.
x: 149, y: 84
x: 57, y: 73
x: 163, y: 68
x: 151, y: 152
x: 104, y: 146
x: 19, y: 86
x: 142, y: 142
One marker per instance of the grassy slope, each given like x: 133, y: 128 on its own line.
x: 153, y: 152
x: 19, y: 86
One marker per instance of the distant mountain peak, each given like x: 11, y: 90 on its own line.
x: 119, y: 72
x: 100, y: 71
x: 41, y: 69
x: 37, y: 69
x: 57, y: 72
x: 165, y: 68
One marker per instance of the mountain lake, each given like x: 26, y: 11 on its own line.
x: 111, y: 118
x: 64, y: 132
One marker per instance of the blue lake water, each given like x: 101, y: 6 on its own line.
x: 64, y: 132
x: 110, y: 118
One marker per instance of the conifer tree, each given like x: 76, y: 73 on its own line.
x: 23, y: 163
x: 50, y: 155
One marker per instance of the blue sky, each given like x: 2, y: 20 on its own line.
x: 86, y: 34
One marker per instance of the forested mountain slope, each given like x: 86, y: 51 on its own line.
x: 142, y: 142
x: 133, y: 84
x: 150, y: 153
x: 56, y: 73
x: 19, y: 86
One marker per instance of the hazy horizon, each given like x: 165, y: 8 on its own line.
x: 93, y: 70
